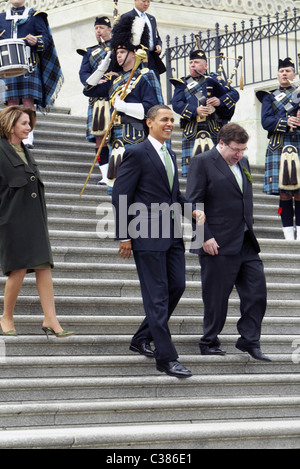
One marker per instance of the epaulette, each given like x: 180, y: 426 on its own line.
x: 177, y: 81
x: 261, y: 94
x: 81, y: 51
x: 40, y: 13
x: 43, y: 14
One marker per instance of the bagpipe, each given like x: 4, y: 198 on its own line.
x: 116, y: 13
x: 225, y: 82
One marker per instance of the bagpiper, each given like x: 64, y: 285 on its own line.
x: 204, y: 104
x: 142, y: 92
x: 280, y: 116
x: 98, y: 109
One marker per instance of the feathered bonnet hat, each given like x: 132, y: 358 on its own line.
x: 130, y: 34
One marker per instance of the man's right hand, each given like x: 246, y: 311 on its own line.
x: 125, y: 249
x: 211, y: 247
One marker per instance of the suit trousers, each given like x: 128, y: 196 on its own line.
x: 162, y: 281
x: 219, y: 274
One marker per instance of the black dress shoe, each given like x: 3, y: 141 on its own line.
x: 173, y: 369
x: 143, y: 349
x: 214, y: 350
x: 255, y: 352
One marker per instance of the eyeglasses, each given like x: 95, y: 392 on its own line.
x: 238, y: 150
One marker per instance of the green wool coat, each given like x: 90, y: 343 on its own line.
x: 24, y: 238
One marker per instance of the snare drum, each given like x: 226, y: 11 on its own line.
x: 13, y: 58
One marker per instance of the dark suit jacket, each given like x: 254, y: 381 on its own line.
x: 154, y: 61
x: 227, y: 209
x: 142, y: 180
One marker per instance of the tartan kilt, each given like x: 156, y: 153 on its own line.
x: 188, y: 145
x: 90, y: 137
x: 28, y: 85
x: 272, y: 164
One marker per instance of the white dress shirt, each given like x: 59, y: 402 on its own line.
x: 148, y: 22
x: 157, y: 145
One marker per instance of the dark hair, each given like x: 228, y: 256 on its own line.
x: 233, y: 133
x: 152, y: 113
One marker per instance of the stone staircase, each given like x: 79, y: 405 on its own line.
x: 89, y: 390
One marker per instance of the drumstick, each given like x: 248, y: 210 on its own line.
x: 23, y: 37
x: 2, y: 32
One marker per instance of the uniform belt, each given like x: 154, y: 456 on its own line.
x: 124, y: 119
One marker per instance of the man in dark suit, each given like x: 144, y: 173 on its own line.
x: 147, y: 189
x: 154, y: 61
x: 220, y: 178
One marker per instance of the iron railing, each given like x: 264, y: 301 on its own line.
x: 261, y: 46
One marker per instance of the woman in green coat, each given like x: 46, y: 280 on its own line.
x: 24, y: 238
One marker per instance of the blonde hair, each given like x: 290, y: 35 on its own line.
x: 9, y: 117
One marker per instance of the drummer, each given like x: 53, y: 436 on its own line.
x: 41, y: 84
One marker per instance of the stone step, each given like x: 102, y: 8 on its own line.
x: 64, y: 366
x: 63, y: 166
x: 63, y: 135
x: 273, y: 230
x: 248, y: 434
x: 123, y: 288
x: 150, y: 387
x: 178, y: 411
x: 72, y: 176
x: 279, y: 254
x: 78, y: 145
x: 75, y: 188
x: 61, y: 235
x: 260, y: 209
x: 84, y: 154
x: 267, y: 212
x: 57, y: 112
x: 70, y: 199
x: 100, y: 196
x: 190, y: 324
x: 118, y: 344
x: 95, y: 270
x: 101, y: 206
x: 121, y: 305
